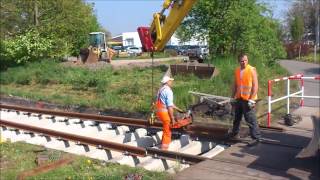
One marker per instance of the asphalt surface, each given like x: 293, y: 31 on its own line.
x: 311, y: 87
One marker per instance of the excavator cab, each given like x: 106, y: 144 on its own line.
x: 97, y: 40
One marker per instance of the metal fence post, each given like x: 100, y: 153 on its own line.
x: 288, y: 96
x: 269, y: 103
x: 302, y: 91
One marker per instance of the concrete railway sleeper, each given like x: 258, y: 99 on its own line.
x: 202, y: 130
x: 126, y: 149
x: 130, y: 146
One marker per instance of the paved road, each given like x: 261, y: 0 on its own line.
x: 312, y: 87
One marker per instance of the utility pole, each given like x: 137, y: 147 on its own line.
x: 36, y: 13
x: 317, y: 33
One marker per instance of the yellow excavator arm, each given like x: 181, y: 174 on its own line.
x: 162, y: 26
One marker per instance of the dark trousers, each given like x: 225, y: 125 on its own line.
x: 242, y: 109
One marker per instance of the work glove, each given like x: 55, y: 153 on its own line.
x: 233, y: 101
x: 251, y: 103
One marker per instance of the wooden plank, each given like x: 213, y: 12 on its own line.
x: 213, y: 169
x: 264, y: 161
x: 209, y: 95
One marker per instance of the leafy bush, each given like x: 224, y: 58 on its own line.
x: 24, y: 48
x: 102, y: 86
x: 293, y: 49
x: 23, y: 79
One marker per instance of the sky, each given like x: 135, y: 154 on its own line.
x: 119, y: 16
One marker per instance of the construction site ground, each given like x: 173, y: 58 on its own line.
x: 132, y: 63
x: 265, y: 161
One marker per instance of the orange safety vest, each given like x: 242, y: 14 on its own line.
x: 244, y: 84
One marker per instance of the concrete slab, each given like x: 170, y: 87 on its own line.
x: 215, y: 151
x: 37, y: 140
x: 147, y: 141
x: 264, y: 161
x: 103, y: 154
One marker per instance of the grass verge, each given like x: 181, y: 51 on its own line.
x: 128, y: 90
x: 310, y: 58
x: 18, y: 157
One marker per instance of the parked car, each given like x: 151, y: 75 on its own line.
x: 118, y: 48
x: 198, y: 53
x: 132, y: 50
x: 183, y: 49
x: 192, y: 51
x: 120, y: 51
x: 204, y: 52
x: 172, y: 50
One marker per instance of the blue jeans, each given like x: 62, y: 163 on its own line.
x: 242, y: 109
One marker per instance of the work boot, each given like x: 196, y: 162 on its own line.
x: 254, y: 142
x: 233, y: 137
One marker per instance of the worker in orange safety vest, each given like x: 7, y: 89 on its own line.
x: 244, y: 96
x: 165, y: 108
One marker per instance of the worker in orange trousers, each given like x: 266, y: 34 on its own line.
x: 165, y: 108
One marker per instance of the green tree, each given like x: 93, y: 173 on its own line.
x: 66, y: 22
x: 183, y: 34
x: 302, y: 13
x: 297, y: 28
x: 233, y: 26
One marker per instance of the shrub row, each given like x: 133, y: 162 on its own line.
x: 293, y: 49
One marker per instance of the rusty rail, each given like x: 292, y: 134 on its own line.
x: 200, y: 129
x: 130, y: 150
x: 86, y: 140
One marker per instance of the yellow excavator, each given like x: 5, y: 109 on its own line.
x: 162, y: 27
x: 155, y: 37
x: 97, y: 50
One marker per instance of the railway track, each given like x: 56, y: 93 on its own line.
x: 122, y: 140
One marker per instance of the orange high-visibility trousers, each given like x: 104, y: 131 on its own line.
x: 166, y: 135
x: 163, y: 115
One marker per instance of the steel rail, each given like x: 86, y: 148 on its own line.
x: 137, y: 151
x: 202, y: 130
x: 199, y: 129
x: 101, y: 118
x: 129, y: 150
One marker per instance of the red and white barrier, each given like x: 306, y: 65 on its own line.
x: 288, y: 96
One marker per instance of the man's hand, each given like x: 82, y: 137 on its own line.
x: 251, y: 103
x: 233, y: 101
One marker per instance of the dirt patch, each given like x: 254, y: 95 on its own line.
x: 124, y: 64
x: 18, y: 101
x: 203, y: 112
x: 92, y: 66
x: 5, y: 163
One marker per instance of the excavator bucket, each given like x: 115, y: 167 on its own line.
x: 88, y: 56
x: 199, y: 70
x: 92, y: 58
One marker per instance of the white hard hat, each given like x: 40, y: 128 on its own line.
x: 165, y: 79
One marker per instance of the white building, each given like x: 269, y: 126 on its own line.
x: 176, y: 42
x: 132, y: 39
